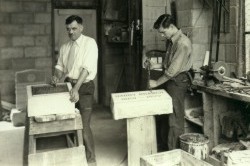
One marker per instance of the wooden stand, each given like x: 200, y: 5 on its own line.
x: 139, y: 109
x: 66, y: 157
x: 141, y: 138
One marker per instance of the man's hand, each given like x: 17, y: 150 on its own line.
x: 74, y: 95
x: 54, y: 80
x: 148, y: 64
x: 152, y: 83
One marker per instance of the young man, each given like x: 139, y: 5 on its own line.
x: 177, y: 62
x: 78, y: 63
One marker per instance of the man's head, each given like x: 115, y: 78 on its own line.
x: 74, y: 27
x: 165, y: 24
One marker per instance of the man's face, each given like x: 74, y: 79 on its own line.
x: 165, y: 32
x: 74, y: 30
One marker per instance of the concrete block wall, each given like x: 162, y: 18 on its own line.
x: 195, y: 20
x: 25, y: 40
x: 151, y: 10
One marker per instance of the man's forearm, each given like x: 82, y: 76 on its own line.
x: 162, y: 80
x: 81, y: 79
x: 58, y: 74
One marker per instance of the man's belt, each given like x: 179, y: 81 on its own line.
x: 73, y: 81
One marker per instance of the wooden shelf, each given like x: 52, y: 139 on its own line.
x: 114, y: 20
x: 196, y: 121
x: 121, y: 42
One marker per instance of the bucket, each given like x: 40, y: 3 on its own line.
x: 195, y: 144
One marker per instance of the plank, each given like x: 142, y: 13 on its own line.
x: 141, y: 138
x: 64, y: 157
x: 219, y: 107
x: 55, y: 126
x: 208, y: 116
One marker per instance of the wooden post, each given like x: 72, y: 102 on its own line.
x: 141, y: 138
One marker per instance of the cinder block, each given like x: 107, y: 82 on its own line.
x: 8, y: 29
x: 200, y: 17
x: 34, y: 29
x: 48, y: 29
x: 21, y: 18
x: 154, y: 3
x: 184, y: 18
x: 43, y: 62
x: 231, y: 53
x: 3, y: 41
x: 23, y: 63
x: 4, y: 17
x: 7, y: 75
x: 233, y: 16
x: 34, y: 6
x: 229, y: 38
x: 43, y: 40
x: 18, y: 118
x: 200, y: 35
x: 23, y: 41
x: 49, y: 7
x: 5, y: 64
x: 11, y: 6
x: 35, y: 52
x: 43, y: 18
x: 8, y: 88
x: 198, y: 51
x: 7, y: 53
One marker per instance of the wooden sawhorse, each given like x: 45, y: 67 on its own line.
x: 63, y: 157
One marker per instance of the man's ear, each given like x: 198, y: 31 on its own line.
x: 81, y: 28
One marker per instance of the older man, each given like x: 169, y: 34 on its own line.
x: 78, y: 63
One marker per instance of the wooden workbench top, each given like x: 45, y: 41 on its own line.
x: 223, y: 91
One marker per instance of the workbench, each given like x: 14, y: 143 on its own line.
x: 216, y: 101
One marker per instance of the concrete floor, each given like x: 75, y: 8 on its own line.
x: 109, y: 135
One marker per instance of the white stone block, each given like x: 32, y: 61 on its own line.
x: 140, y: 103
x: 44, y: 103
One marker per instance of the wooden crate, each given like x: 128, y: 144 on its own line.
x: 175, y: 157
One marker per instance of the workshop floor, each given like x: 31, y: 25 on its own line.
x: 110, y: 140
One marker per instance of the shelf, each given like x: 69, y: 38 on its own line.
x: 114, y: 20
x: 122, y: 42
x: 195, y: 121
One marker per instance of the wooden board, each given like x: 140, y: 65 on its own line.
x: 141, y: 138
x: 55, y: 126
x: 172, y: 158
x: 64, y: 157
x: 47, y: 104
x: 140, y: 103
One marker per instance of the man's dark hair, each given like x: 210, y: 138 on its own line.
x: 72, y: 18
x: 164, y: 20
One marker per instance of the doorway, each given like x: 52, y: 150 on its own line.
x: 60, y: 34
